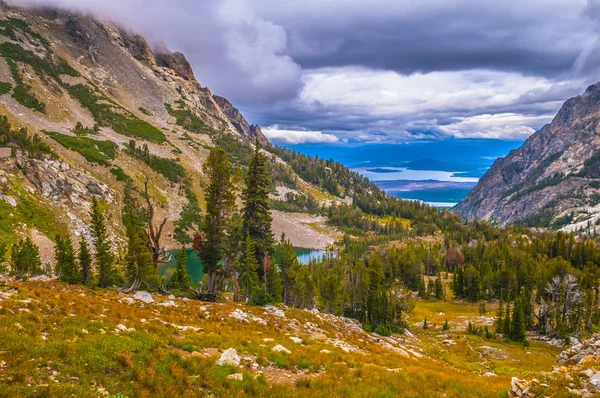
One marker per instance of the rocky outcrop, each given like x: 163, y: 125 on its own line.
x: 547, y: 178
x: 252, y: 132
x: 57, y: 181
x: 178, y: 63
x: 578, y: 370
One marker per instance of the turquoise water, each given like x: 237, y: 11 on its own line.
x: 305, y: 255
x: 193, y: 264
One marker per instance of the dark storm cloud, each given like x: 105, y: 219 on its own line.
x: 233, y: 50
x: 532, y: 37
x: 378, y: 70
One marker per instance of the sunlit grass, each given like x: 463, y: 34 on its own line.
x: 60, y: 340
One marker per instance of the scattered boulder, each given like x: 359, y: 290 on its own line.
x: 587, y: 374
x: 449, y: 342
x: 143, y: 296
x: 518, y: 388
x: 169, y: 303
x: 489, y: 374
x: 127, y: 300
x: 280, y: 348
x: 10, y: 200
x: 236, y: 376
x: 296, y: 340
x: 593, y: 384
x: 245, y: 317
x: 229, y: 357
x: 122, y: 328
x: 269, y: 309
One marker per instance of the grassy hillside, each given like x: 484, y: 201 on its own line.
x: 60, y: 340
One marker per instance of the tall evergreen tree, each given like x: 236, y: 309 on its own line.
x: 518, y: 324
x: 500, y: 313
x: 248, y: 278
x: 65, y: 260
x: 103, y: 255
x: 85, y: 262
x: 256, y: 214
x: 507, y: 322
x: 220, y: 205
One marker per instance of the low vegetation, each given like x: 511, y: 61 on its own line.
x: 94, y: 151
x: 108, y: 113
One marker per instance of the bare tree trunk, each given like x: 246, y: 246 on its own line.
x: 153, y: 232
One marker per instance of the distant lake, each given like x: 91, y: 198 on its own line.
x: 438, y: 172
x: 193, y: 265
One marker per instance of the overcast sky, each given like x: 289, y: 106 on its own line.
x: 378, y: 70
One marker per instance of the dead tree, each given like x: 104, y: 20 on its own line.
x: 154, y: 232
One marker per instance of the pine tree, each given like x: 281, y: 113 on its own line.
x: 25, y: 257
x: 65, y: 260
x: 518, y: 325
x: 256, y: 214
x: 248, y: 278
x: 506, y: 326
x: 85, y: 262
x: 220, y: 205
x: 422, y: 292
x: 180, y: 280
x: 500, y: 313
x: 425, y: 324
x: 446, y: 326
x: 103, y: 256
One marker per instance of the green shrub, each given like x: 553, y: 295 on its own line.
x: 94, y: 151
x: 108, y: 113
x: 5, y: 88
x: 188, y: 120
x: 119, y: 174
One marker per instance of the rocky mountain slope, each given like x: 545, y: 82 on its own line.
x: 107, y: 108
x: 552, y: 180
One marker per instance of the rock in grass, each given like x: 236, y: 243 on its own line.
x: 593, y: 384
x: 280, y: 348
x: 229, y: 357
x: 143, y: 296
x: 127, y: 300
x: 296, y: 340
x: 236, y: 376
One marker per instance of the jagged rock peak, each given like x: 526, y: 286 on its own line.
x: 551, y: 180
x: 239, y: 122
x: 177, y: 62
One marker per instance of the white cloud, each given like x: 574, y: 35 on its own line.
x: 461, y: 104
x: 506, y: 126
x: 293, y: 137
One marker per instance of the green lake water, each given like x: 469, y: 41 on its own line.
x: 193, y: 264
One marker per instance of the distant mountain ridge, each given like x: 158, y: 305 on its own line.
x: 553, y: 179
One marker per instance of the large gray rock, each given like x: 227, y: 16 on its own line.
x: 229, y: 357
x: 593, y: 384
x: 143, y: 296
